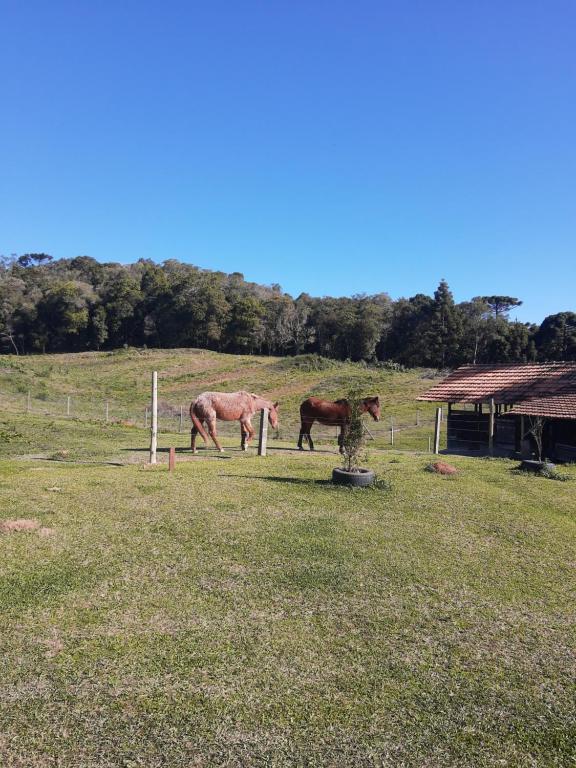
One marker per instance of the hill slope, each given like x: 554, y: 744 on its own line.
x: 80, y: 385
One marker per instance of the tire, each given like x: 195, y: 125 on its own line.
x: 360, y: 479
x: 531, y: 465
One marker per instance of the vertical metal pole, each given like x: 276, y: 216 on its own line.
x: 491, y: 428
x: 171, y: 459
x: 437, y: 430
x: 68, y: 406
x: 154, y: 430
x: 263, y: 432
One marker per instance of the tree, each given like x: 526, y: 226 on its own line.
x: 499, y: 305
x: 445, y: 328
x: 63, y: 314
x: 245, y: 326
x: 556, y: 337
x: 33, y: 259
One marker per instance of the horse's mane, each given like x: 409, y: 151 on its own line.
x: 342, y: 401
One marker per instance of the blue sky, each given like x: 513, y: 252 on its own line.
x: 334, y: 147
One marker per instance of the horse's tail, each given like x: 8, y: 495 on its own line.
x: 197, y: 423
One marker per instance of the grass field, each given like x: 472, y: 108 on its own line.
x: 122, y: 379
x: 245, y: 612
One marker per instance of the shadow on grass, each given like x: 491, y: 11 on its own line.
x: 290, y: 480
x: 211, y: 453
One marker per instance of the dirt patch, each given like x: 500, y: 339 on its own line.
x: 11, y: 526
x: 442, y: 468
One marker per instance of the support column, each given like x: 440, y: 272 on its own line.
x: 491, y: 428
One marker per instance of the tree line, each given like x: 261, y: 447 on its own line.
x: 69, y: 305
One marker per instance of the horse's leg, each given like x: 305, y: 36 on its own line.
x: 305, y: 431
x: 211, y: 422
x: 193, y: 433
x: 301, y: 436
x: 245, y: 432
x: 247, y: 424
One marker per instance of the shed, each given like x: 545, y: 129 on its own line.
x: 491, y: 407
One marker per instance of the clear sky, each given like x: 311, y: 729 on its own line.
x: 332, y: 146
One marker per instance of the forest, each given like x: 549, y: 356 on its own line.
x: 68, y: 305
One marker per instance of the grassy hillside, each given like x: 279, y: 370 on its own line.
x: 122, y: 379
x: 244, y: 612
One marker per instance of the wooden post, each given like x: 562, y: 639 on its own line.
x: 263, y: 432
x: 370, y: 435
x: 68, y: 406
x: 491, y: 428
x: 107, y: 410
x: 154, y: 429
x: 171, y: 459
x: 437, y: 430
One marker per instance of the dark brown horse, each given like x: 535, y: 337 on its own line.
x: 331, y: 414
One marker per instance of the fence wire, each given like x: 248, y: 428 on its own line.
x: 403, y: 433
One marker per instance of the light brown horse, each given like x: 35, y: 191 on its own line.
x: 228, y: 406
x: 332, y: 414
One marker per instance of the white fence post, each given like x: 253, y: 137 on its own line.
x: 437, y: 430
x: 263, y: 432
x: 154, y: 430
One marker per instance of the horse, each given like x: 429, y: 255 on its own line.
x: 228, y: 406
x: 332, y: 414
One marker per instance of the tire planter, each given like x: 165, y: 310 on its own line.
x: 359, y: 479
x: 531, y: 465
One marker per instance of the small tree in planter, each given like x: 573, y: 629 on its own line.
x: 352, y: 443
x: 537, y: 432
x: 540, y: 465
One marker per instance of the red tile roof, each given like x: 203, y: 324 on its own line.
x: 509, y: 383
x: 553, y: 407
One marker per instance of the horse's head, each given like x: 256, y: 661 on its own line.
x: 273, y: 415
x: 373, y: 407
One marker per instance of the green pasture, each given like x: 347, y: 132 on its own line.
x: 44, y: 383
x: 243, y: 611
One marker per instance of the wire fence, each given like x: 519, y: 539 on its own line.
x: 402, y: 432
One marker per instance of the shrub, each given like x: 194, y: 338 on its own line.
x: 353, y: 437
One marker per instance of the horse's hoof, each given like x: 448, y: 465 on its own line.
x: 222, y: 450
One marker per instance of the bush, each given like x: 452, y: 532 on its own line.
x: 353, y: 438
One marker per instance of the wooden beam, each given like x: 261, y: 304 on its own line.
x: 491, y: 428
